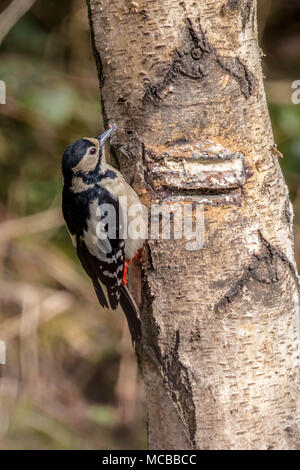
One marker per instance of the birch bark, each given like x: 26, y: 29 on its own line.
x: 220, y: 351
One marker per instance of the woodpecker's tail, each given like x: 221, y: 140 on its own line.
x: 131, y: 311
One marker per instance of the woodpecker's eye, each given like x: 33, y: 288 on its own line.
x: 92, y: 151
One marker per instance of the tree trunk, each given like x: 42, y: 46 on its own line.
x: 220, y: 350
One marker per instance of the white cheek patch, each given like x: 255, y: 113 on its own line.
x: 88, y: 161
x: 86, y: 164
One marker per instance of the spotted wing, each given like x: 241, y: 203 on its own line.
x: 105, y: 275
x: 103, y: 256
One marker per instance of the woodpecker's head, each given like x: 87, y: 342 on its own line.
x: 84, y: 156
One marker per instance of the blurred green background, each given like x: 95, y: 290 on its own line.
x: 70, y: 381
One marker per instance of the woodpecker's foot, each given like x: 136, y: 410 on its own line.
x: 137, y: 256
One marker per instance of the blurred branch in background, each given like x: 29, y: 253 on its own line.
x: 12, y: 15
x: 31, y: 224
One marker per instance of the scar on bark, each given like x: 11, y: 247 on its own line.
x: 235, y: 67
x: 244, y: 6
x: 191, y: 62
x: 288, y: 213
x: 94, y: 47
x: 176, y: 377
x: 174, y: 374
x: 149, y: 258
x: 262, y: 269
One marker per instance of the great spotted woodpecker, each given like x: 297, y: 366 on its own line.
x: 92, y: 188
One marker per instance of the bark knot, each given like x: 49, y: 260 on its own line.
x: 264, y: 268
x: 244, y: 7
x: 195, y: 60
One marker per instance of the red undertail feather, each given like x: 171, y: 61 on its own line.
x: 134, y: 260
x: 125, y: 272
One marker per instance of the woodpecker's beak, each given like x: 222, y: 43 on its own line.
x: 106, y: 135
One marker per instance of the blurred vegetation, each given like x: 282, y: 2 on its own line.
x: 70, y: 381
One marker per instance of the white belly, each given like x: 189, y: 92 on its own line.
x: 136, y: 229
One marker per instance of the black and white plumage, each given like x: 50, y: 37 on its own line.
x: 90, y: 187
